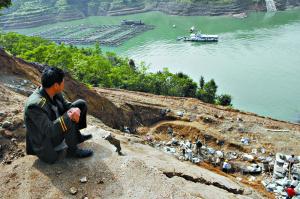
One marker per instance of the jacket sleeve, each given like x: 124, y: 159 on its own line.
x: 66, y: 103
x: 45, y: 125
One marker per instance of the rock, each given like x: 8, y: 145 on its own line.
x: 195, y: 160
x: 7, y: 134
x: 58, y: 172
x: 271, y: 187
x: 6, y: 124
x: 2, y: 113
x: 238, y: 119
x: 245, y: 141
x: 263, y: 150
x: 253, y: 169
x: 251, y: 178
x: 254, y: 151
x: 83, y: 179
x: 179, y: 114
x: 192, y: 118
x: 248, y: 157
x: 247, y: 192
x: 283, y: 182
x: 208, y: 119
x: 219, y: 154
x: 73, y: 190
x: 169, y: 143
x: 170, y: 150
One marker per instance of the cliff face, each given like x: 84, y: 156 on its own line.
x: 32, y: 13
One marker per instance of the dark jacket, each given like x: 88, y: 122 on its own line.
x: 42, y: 124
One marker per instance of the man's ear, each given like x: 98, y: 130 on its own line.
x: 56, y: 85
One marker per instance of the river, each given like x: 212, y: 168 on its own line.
x: 257, y: 59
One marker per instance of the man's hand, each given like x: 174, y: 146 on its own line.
x: 74, y: 114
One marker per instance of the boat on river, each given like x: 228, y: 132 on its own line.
x: 199, y: 37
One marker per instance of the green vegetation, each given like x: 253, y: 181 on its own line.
x: 92, y: 67
x: 5, y: 3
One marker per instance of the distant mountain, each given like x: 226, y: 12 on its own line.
x: 31, y: 13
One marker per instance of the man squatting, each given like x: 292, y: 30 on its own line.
x: 52, y: 123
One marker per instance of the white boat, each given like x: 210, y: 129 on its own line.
x: 198, y: 37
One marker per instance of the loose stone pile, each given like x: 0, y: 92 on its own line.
x: 283, y: 176
x: 253, y: 163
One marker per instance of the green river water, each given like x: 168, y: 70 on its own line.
x: 257, y: 59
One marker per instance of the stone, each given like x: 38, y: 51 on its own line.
x: 169, y: 143
x: 179, y: 114
x: 211, y: 151
x: 83, y: 179
x: 170, y: 150
x: 248, y: 157
x: 208, y: 119
x: 247, y: 192
x: 251, y: 178
x: 271, y: 187
x: 192, y: 118
x: 7, y: 134
x: 254, y: 151
x: 73, y: 190
x: 6, y: 124
x: 238, y: 119
x: 219, y: 154
x: 245, y: 141
x: 283, y: 182
x: 195, y: 160
x: 2, y: 113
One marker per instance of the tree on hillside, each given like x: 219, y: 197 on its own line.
x: 208, y: 93
x: 5, y: 3
x: 201, y: 82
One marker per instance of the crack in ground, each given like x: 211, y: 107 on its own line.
x: 202, y: 181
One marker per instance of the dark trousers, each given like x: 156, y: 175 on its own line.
x: 72, y: 137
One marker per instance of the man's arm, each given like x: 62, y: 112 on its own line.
x: 45, y: 125
x: 66, y: 104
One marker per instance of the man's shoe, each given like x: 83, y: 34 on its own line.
x: 82, y: 153
x: 84, y: 137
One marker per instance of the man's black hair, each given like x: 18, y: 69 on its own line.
x: 51, y: 76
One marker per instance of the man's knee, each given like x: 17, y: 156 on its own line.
x: 80, y: 103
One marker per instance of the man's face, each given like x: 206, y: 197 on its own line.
x: 60, y: 87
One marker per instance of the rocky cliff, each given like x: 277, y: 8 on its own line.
x: 32, y: 13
